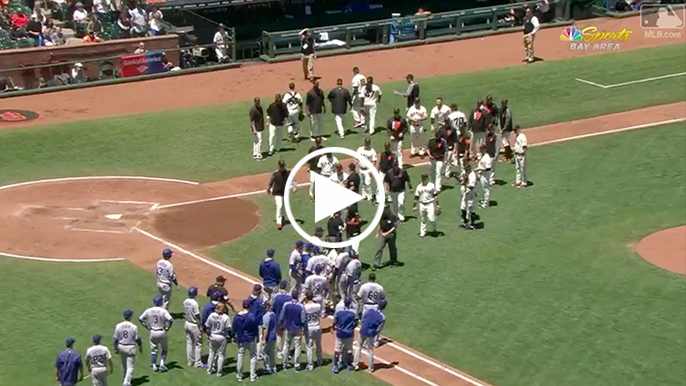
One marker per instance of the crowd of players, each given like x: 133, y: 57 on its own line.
x: 273, y: 324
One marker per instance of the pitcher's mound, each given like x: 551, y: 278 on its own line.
x: 666, y: 249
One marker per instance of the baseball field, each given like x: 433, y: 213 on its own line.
x: 551, y: 290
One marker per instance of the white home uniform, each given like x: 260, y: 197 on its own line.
x: 366, y: 173
x: 313, y: 312
x: 439, y: 115
x: 191, y: 311
x: 327, y: 165
x: 126, y: 335
x: 339, y: 177
x: 371, y: 98
x: 293, y: 102
x: 457, y: 121
x: 357, y: 84
x: 484, y: 167
x: 353, y: 272
x: 520, y: 159
x: 217, y: 325
x: 220, y: 41
x: 98, y: 356
x: 415, y: 118
x: 165, y: 278
x: 426, y: 195
x: 468, y: 193
x: 156, y: 318
x: 317, y: 285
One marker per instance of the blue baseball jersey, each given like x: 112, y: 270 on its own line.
x: 280, y: 299
x: 68, y: 363
x: 345, y: 321
x: 245, y: 327
x: 292, y: 317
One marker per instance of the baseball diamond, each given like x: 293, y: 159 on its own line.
x: 548, y: 289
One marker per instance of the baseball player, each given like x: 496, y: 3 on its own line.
x: 268, y: 339
x: 506, y: 127
x: 158, y: 321
x: 340, y: 99
x: 397, y: 179
x: 372, y: 324
x: 294, y: 104
x: 68, y: 365
x: 370, y: 293
x: 371, y: 95
x: 416, y: 115
x: 316, y: 284
x: 327, y: 164
x: 277, y: 188
x: 165, y: 277
x: 483, y: 171
x: 357, y: 82
x: 467, y: 190
x: 492, y: 151
x: 412, y: 92
x: 397, y: 128
x: 438, y: 153
x: 353, y: 273
x: 340, y: 278
x: 277, y: 115
x: 520, y: 158
x: 318, y: 260
x: 312, y: 164
x: 344, y: 324
x: 99, y: 362
x: 193, y: 328
x: 368, y: 152
x: 313, y: 311
x: 439, y: 114
x: 294, y: 266
x: 246, y: 326
x: 353, y: 226
x: 339, y: 176
x: 270, y: 272
x: 292, y: 320
x: 125, y: 341
x: 426, y: 196
x: 457, y: 122
x: 217, y: 326
x: 281, y: 298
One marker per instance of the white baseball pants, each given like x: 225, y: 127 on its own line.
x: 450, y: 161
x: 193, y: 344
x: 280, y: 210
x: 437, y: 166
x: 355, y: 111
x: 366, y: 183
x: 398, y: 146
x: 316, y: 123
x: 275, y: 137
x: 291, y: 338
x: 312, y: 184
x: 314, y: 338
x: 257, y: 144
x: 485, y: 182
x: 520, y: 169
x: 293, y: 123
x: 338, y: 118
x: 217, y: 353
x: 220, y: 51
x: 252, y: 352
x: 164, y: 290
x: 398, y: 204
x: 367, y: 343
x: 478, y: 139
x: 371, y: 118
x: 427, y: 212
x: 467, y: 201
x: 99, y: 376
x: 417, y: 143
x: 128, y: 362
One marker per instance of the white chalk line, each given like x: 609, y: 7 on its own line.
x: 53, y: 260
x: 253, y: 281
x: 127, y: 202
x: 606, y: 86
x: 394, y: 366
x: 67, y: 179
x: 426, y: 163
x: 95, y: 230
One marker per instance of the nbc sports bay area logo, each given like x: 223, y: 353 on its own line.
x: 591, y: 39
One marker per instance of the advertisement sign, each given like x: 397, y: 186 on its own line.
x: 141, y: 64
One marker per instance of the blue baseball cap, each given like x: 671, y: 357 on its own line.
x: 69, y: 341
x: 270, y: 252
x: 348, y: 302
x: 299, y: 244
x: 157, y: 301
x: 128, y: 313
x: 382, y: 304
x: 295, y: 294
x: 309, y: 246
x: 97, y: 338
x: 257, y: 288
x: 246, y: 303
x: 319, y: 230
x: 167, y: 253
x: 283, y: 284
x: 214, y: 296
x: 352, y: 253
x: 193, y: 292
x: 315, y: 249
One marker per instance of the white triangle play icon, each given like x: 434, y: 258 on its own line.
x: 331, y: 197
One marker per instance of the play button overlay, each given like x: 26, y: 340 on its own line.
x: 331, y: 197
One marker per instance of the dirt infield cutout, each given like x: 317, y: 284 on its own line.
x: 665, y: 249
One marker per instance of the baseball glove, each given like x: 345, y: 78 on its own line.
x: 439, y: 210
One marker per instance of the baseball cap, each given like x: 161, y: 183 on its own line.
x: 270, y: 252
x: 214, y: 296
x: 348, y: 302
x: 299, y: 243
x: 193, y: 291
x: 283, y: 284
x: 97, y: 338
x: 319, y: 230
x: 157, y: 300
x: 69, y: 341
x: 246, y: 304
x: 167, y: 253
x: 221, y: 279
x: 128, y: 313
x: 257, y: 287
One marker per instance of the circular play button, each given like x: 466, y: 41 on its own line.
x: 331, y: 197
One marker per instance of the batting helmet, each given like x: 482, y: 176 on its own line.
x: 167, y: 253
x: 157, y: 301
x: 193, y: 292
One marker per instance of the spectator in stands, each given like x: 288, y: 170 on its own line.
x: 221, y: 39
x: 94, y: 24
x: 35, y: 30
x: 91, y: 37
x: 57, y: 37
x: 123, y: 25
x: 141, y: 48
x: 38, y: 14
x: 156, y: 27
x: 19, y: 20
x: 168, y: 66
x: 139, y: 21
x: 101, y: 9
x: 47, y: 34
x: 79, y: 19
x: 77, y: 74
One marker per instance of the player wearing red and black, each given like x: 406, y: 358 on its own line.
x: 463, y: 146
x: 387, y: 159
x: 492, y: 150
x: 477, y: 124
x: 312, y: 164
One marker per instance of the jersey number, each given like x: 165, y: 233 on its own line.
x: 373, y: 296
x: 216, y: 326
x: 98, y: 360
x: 312, y: 317
x: 125, y: 334
x: 155, y: 319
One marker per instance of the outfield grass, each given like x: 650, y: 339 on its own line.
x: 551, y: 292
x: 46, y: 302
x: 214, y: 142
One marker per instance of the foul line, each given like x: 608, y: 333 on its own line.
x: 560, y: 140
x: 52, y: 260
x: 251, y: 281
x: 67, y: 179
x: 606, y: 86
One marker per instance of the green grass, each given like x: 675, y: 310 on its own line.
x: 551, y: 292
x: 214, y: 142
x: 46, y: 302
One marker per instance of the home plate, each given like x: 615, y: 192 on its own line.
x: 113, y: 216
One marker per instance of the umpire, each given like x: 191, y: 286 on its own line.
x: 277, y: 188
x: 387, y: 237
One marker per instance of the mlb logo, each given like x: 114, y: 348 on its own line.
x: 662, y: 16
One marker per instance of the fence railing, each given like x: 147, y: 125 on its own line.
x: 395, y: 30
